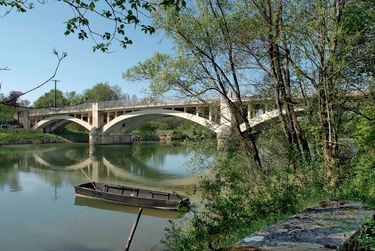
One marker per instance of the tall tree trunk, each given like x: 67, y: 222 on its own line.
x: 247, y: 138
x: 328, y: 89
x: 279, y: 64
x: 329, y: 136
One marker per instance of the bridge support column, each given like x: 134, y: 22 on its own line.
x: 97, y: 138
x: 197, y: 111
x: 210, y: 117
x: 225, y: 113
x: 251, y: 111
x: 222, y: 133
x: 94, y: 137
x: 95, y: 116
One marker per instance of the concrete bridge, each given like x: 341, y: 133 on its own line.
x: 112, y: 122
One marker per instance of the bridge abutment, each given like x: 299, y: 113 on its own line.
x: 23, y: 118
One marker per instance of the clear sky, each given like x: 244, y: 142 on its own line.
x: 26, y: 47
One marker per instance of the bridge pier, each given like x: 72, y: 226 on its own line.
x: 222, y: 134
x: 94, y: 136
x: 97, y: 138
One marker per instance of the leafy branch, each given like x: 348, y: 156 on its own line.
x: 119, y: 12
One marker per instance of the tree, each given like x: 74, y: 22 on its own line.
x: 8, y: 109
x: 205, y: 65
x: 24, y: 103
x: 268, y: 48
x: 48, y: 99
x: 13, y: 98
x: 118, y: 13
x: 102, y: 92
x: 7, y: 113
x: 331, y: 41
x: 312, y: 48
x: 73, y: 98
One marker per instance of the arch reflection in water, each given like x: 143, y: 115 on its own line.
x: 149, y: 165
x: 32, y: 176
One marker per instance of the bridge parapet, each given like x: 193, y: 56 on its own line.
x: 128, y: 104
x: 161, y: 103
x: 68, y: 109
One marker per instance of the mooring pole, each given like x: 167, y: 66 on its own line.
x: 135, y: 224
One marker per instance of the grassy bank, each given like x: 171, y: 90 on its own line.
x: 240, y: 199
x: 74, y: 136
x: 160, y: 131
x: 21, y: 136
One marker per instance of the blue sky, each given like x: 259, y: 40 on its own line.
x: 26, y: 47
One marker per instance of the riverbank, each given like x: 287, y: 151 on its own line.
x: 74, y: 136
x: 325, y: 226
x: 21, y: 136
x: 18, y: 136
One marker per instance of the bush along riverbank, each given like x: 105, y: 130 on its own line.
x: 22, y: 136
x: 240, y: 200
x: 170, y: 129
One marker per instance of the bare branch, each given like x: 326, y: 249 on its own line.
x: 60, y: 57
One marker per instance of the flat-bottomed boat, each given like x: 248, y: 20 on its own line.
x: 132, y: 196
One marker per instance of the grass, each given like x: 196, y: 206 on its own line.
x: 22, y: 136
x: 363, y: 239
x: 73, y: 135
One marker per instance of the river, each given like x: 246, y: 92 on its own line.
x: 39, y: 210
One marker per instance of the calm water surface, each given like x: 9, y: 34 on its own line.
x: 39, y: 210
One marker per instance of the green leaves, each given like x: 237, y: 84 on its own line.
x: 18, y: 5
x: 102, y: 92
x: 118, y: 13
x: 48, y: 99
x: 156, y: 70
x: 82, y: 35
x: 178, y: 4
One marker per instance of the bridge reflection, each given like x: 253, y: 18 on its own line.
x: 149, y: 166
x: 92, y: 166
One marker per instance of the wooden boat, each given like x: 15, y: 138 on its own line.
x: 132, y: 196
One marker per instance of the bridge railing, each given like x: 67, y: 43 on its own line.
x: 146, y: 103
x: 168, y: 101
x: 66, y: 109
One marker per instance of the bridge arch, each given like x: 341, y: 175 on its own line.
x: 140, y: 117
x: 267, y: 118
x: 49, y: 120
